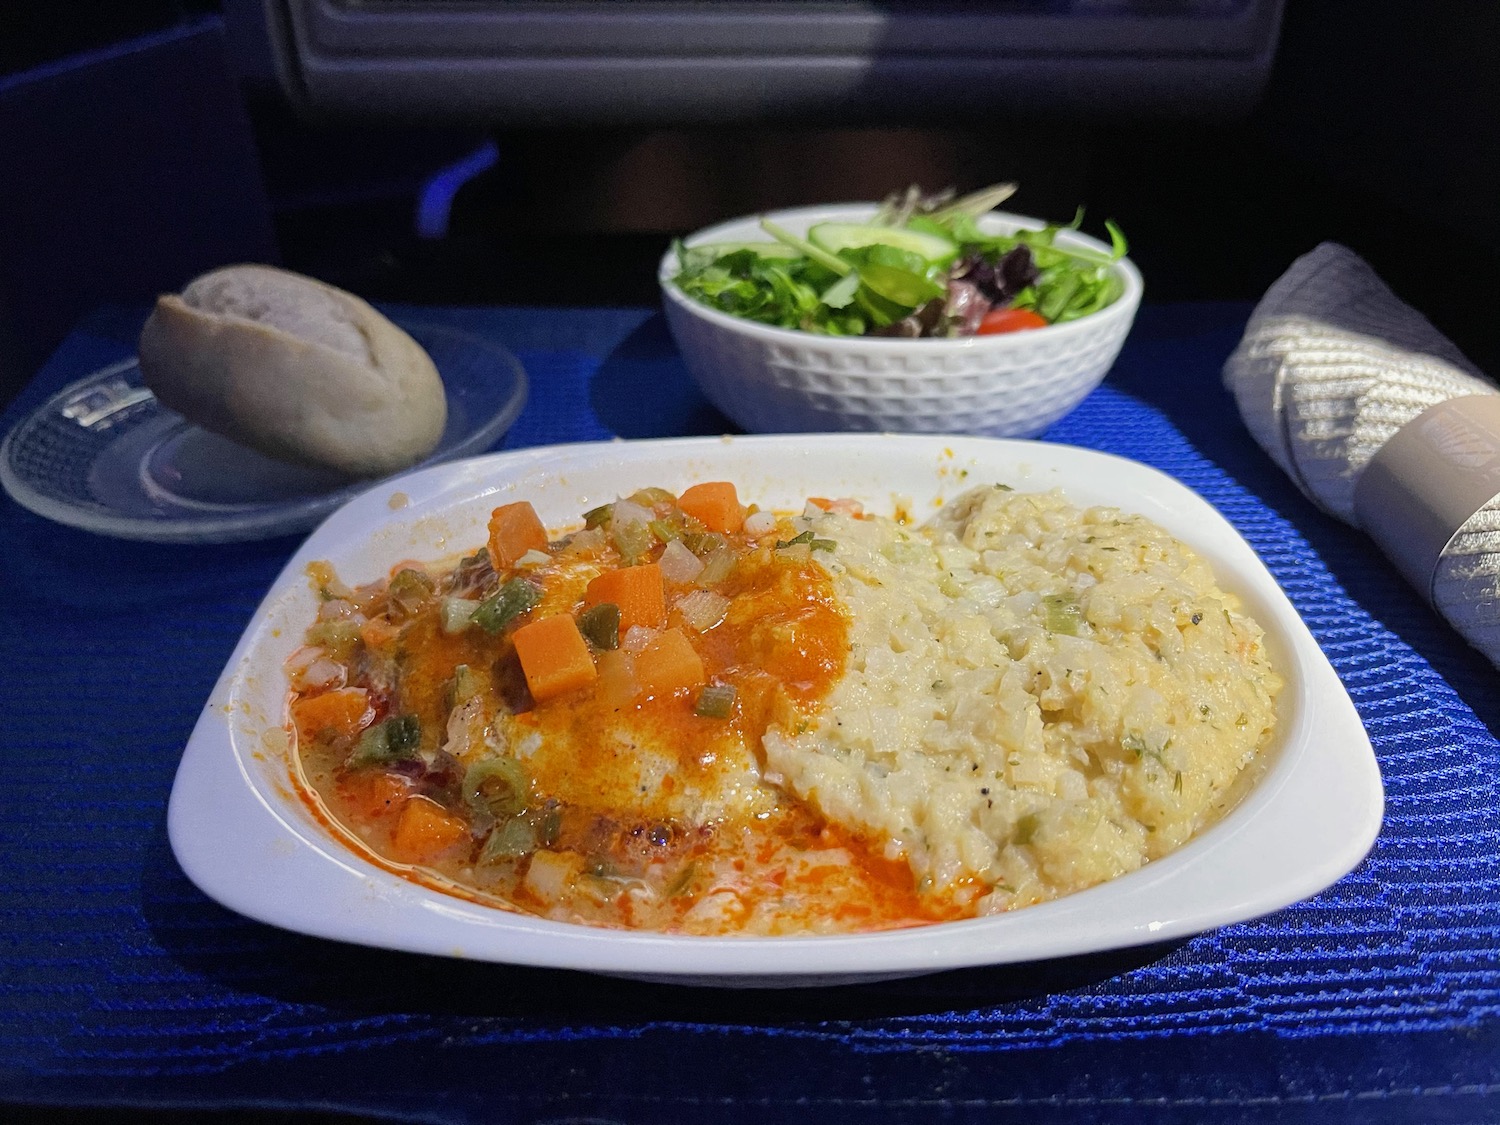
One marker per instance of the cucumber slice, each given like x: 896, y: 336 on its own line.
x: 762, y: 249
x: 900, y: 287
x: 834, y: 237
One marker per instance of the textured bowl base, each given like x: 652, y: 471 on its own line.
x: 813, y: 389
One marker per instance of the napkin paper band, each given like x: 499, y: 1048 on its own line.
x: 1428, y: 480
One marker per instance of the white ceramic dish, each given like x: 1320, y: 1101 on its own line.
x: 243, y: 835
x: 778, y: 380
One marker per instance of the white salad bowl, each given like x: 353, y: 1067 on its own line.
x: 781, y: 380
x: 246, y: 836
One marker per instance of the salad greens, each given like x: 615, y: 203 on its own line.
x: 921, y: 267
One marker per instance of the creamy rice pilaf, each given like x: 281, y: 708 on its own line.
x: 1038, y: 697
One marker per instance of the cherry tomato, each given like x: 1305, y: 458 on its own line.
x: 1009, y: 320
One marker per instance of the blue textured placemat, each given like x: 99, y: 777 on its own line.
x: 121, y: 984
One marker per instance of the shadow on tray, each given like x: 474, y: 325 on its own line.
x: 235, y: 956
x: 643, y: 390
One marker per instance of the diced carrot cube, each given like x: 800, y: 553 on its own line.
x: 514, y: 530
x: 554, y: 657
x: 637, y: 590
x: 668, y: 664
x: 715, y: 505
x: 340, y: 713
x: 373, y: 794
x: 425, y: 831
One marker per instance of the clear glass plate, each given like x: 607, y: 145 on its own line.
x: 104, y: 455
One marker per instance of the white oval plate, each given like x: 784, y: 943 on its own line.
x: 246, y: 839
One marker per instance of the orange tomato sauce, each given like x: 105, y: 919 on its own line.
x: 611, y: 804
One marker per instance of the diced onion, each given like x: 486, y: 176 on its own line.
x: 650, y: 497
x: 703, y: 609
x: 456, y: 613
x: 550, y: 875
x: 302, y: 658
x: 637, y: 637
x: 368, y: 596
x: 328, y: 581
x: 717, y: 567
x: 630, y: 528
x: 617, y: 684
x: 760, y: 523
x: 337, y: 609
x: 320, y: 674
x: 534, y: 558
x: 627, y: 511
x: 678, y: 564
x: 586, y: 542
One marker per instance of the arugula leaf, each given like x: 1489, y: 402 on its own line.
x: 841, y: 292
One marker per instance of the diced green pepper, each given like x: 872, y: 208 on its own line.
x: 510, y: 840
x: 704, y: 543
x: 408, y: 592
x: 498, y: 786
x: 632, y: 539
x: 516, y: 597
x: 549, y: 824
x: 715, y: 701
x: 600, y: 625
x: 395, y: 740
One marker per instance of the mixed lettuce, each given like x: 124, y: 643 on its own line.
x: 922, y: 267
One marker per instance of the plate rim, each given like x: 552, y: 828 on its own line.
x: 1328, y: 746
x: 265, y: 523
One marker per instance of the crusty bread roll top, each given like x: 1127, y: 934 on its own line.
x: 296, y: 369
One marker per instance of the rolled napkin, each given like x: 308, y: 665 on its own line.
x: 1381, y: 421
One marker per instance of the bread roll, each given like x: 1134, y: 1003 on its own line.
x: 295, y: 369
